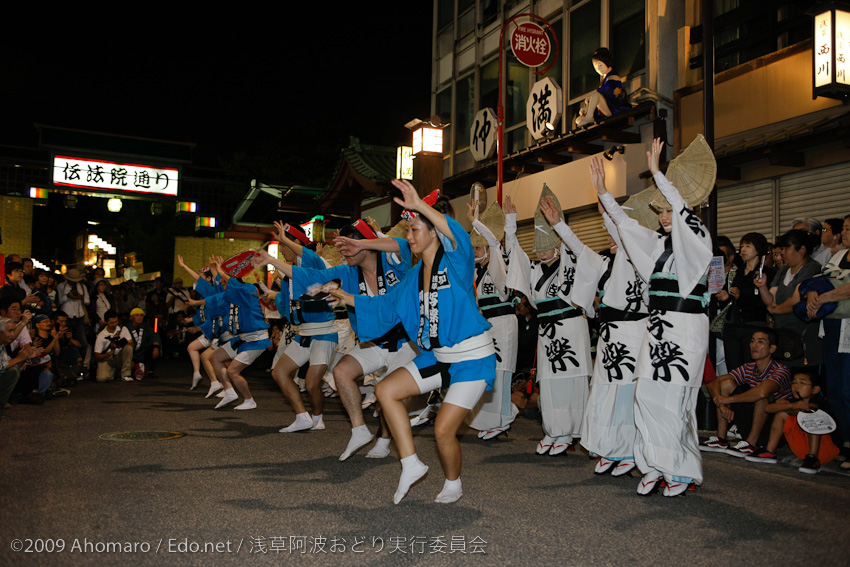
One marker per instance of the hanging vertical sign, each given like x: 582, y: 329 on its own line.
x: 482, y: 134
x: 543, y: 108
x: 530, y: 44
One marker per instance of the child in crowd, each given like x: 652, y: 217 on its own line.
x: 812, y: 449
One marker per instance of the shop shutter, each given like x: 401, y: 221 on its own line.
x: 589, y: 228
x: 746, y: 208
x: 821, y: 193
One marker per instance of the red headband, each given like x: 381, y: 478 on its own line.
x: 297, y: 234
x: 364, y: 229
x: 429, y: 199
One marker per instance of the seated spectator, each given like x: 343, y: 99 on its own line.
x: 748, y: 388
x: 146, y: 345
x: 10, y: 366
x: 69, y: 362
x: 176, y: 298
x: 113, y: 350
x: 812, y: 449
x: 101, y: 302
x: 11, y: 308
x: 180, y: 333
x: 37, y: 378
x: 13, y: 287
x: 39, y: 289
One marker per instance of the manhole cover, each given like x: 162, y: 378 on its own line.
x: 141, y: 435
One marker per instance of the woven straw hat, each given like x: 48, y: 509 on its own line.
x: 638, y: 207
x: 331, y: 254
x: 399, y: 230
x: 545, y: 237
x: 494, y: 219
x: 693, y: 172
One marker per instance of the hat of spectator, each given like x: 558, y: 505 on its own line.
x: 97, y: 281
x: 545, y: 237
x: 73, y: 275
x: 693, y: 173
x: 494, y: 219
x: 638, y: 207
x: 137, y: 311
x: 39, y: 318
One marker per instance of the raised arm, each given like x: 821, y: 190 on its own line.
x: 262, y: 257
x: 286, y: 241
x: 195, y: 275
x: 410, y: 200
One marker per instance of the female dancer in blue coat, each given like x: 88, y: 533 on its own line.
x: 436, y: 304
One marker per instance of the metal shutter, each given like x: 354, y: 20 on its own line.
x: 589, y: 228
x: 820, y: 193
x: 746, y: 208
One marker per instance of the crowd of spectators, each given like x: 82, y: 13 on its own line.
x: 56, y: 330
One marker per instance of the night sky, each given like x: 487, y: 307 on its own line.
x: 224, y: 80
x: 285, y: 83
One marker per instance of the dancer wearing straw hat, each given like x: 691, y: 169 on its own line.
x: 563, y: 348
x: 495, y: 411
x: 672, y: 357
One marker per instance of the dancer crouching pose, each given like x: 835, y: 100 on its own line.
x: 435, y: 303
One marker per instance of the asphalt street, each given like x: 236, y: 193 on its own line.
x: 232, y: 490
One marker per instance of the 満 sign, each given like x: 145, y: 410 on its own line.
x: 113, y: 177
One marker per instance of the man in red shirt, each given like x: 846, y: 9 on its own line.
x: 756, y: 384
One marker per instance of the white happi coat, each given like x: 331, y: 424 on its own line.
x: 563, y: 346
x: 671, y: 362
x: 608, y: 429
x: 495, y: 409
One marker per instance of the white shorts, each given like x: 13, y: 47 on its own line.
x: 204, y: 341
x: 318, y: 353
x: 246, y: 357
x: 462, y: 394
x: 372, y: 357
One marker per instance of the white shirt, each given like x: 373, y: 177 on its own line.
x: 102, y: 340
x: 73, y: 307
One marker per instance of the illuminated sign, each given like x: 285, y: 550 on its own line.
x: 114, y: 177
x: 427, y: 139
x: 831, y: 54
x: 404, y: 162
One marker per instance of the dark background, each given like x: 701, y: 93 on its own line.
x: 271, y: 93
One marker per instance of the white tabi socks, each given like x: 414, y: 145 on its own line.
x: 214, y: 388
x: 360, y: 436
x: 412, y: 469
x: 230, y: 396
x: 452, y: 491
x: 302, y: 423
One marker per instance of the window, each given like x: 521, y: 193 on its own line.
x: 465, y: 110
x: 585, y: 38
x: 516, y: 92
x: 628, y: 36
x: 444, y: 111
x: 445, y: 13
x: 490, y: 85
